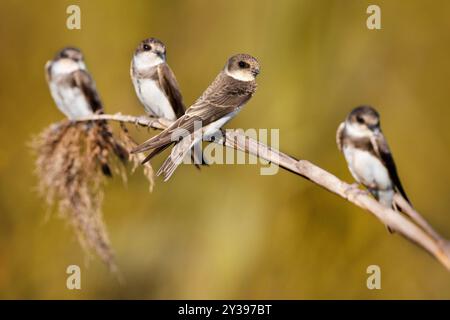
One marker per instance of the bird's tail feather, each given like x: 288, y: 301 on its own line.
x: 155, y: 152
x: 106, y: 142
x: 385, y: 197
x: 155, y: 142
x: 177, y: 155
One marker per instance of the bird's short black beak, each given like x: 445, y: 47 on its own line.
x: 375, y: 129
x: 255, y: 72
x: 162, y: 55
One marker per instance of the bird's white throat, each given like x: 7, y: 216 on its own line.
x: 66, y: 66
x: 240, y: 75
x: 356, y: 131
x: 145, y: 60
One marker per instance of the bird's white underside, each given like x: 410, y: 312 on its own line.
x: 154, y: 100
x: 70, y: 101
x: 367, y: 169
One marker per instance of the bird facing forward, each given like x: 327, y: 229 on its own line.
x: 154, y: 82
x: 368, y: 156
x: 74, y: 92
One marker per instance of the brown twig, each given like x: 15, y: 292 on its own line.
x: 413, y: 226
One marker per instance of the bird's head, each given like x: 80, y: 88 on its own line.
x: 243, y: 67
x: 149, y: 53
x: 67, y: 60
x: 363, y: 121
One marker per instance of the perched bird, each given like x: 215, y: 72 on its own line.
x: 368, y: 155
x: 71, y: 86
x: 220, y: 102
x: 156, y: 85
x: 75, y: 95
x: 154, y: 82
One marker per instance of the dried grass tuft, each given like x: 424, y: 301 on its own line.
x: 137, y: 158
x: 72, y: 161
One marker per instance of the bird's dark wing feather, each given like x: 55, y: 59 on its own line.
x: 155, y: 152
x: 219, y: 99
x: 169, y: 84
x: 381, y: 147
x: 83, y: 80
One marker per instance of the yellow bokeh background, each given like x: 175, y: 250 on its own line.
x: 227, y: 232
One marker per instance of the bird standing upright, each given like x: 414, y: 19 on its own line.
x: 71, y: 86
x: 220, y: 102
x: 75, y: 95
x: 154, y: 82
x: 368, y: 155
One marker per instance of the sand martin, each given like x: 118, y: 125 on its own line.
x: 368, y: 155
x: 220, y: 102
x: 154, y: 81
x: 75, y: 94
x: 71, y: 86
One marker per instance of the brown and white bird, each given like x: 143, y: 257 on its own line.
x: 71, y: 86
x: 368, y: 155
x: 75, y: 94
x: 154, y: 82
x: 221, y: 101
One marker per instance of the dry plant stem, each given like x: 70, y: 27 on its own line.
x: 416, y: 230
x: 136, y: 158
x: 155, y: 123
x: 414, y: 215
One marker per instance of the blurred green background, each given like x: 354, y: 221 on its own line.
x: 227, y: 232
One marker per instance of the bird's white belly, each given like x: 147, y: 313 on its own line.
x: 70, y: 101
x: 154, y: 100
x: 209, y: 131
x: 367, y: 169
x: 213, y: 127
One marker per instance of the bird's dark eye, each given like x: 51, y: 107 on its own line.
x: 360, y: 119
x: 147, y: 47
x: 243, y: 65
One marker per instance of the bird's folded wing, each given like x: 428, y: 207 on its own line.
x: 170, y: 86
x: 83, y: 80
x: 178, y: 153
x: 381, y: 147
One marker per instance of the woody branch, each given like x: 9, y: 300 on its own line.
x: 413, y: 226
